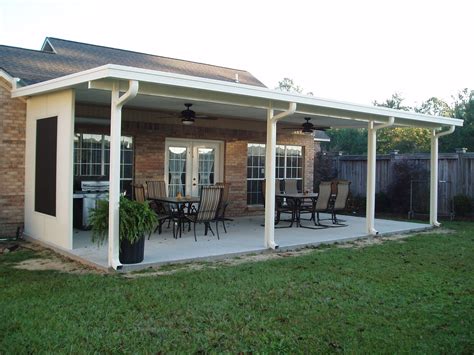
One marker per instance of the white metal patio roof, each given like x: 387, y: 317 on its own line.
x: 168, y: 92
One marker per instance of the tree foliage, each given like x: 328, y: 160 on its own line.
x: 395, y: 102
x: 348, y: 140
x: 405, y: 140
x: 435, y: 107
x: 289, y: 85
x: 463, y: 137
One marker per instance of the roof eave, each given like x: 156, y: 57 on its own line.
x: 257, y: 96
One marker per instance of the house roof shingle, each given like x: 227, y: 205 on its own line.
x: 70, y: 57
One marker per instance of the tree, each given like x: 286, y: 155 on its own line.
x: 406, y: 140
x: 463, y: 137
x: 435, y: 107
x: 348, y: 140
x: 394, y: 102
x: 289, y: 85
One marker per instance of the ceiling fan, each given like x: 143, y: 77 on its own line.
x: 188, y: 116
x: 307, y: 127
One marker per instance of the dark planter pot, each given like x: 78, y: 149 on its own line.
x: 132, y: 253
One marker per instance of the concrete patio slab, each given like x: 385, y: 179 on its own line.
x: 245, y: 235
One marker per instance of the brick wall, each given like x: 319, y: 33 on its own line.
x: 149, y: 139
x: 12, y: 160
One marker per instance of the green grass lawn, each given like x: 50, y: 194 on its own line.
x: 410, y: 296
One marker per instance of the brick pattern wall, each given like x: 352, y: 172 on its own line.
x: 149, y: 140
x: 12, y: 160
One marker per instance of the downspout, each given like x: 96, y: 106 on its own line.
x: 270, y: 173
x: 114, y: 189
x: 371, y: 173
x: 434, y: 175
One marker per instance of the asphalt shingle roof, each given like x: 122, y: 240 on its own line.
x: 71, y: 57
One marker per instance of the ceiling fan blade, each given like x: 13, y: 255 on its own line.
x: 206, y: 118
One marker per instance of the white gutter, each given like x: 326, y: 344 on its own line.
x: 434, y: 174
x: 13, y: 82
x: 391, y: 122
x: 371, y: 173
x: 445, y: 133
x: 114, y: 176
x: 270, y: 156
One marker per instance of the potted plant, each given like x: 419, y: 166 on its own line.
x: 136, y: 220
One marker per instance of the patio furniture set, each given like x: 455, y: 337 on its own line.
x: 205, y: 209
x: 331, y: 198
x: 210, y: 206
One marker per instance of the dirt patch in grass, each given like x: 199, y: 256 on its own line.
x: 47, y: 259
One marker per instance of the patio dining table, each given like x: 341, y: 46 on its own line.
x: 298, y: 199
x: 180, y: 204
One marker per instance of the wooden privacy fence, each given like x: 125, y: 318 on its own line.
x: 455, y: 172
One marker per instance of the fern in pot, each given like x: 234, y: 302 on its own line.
x: 137, y: 219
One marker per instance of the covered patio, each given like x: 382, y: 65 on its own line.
x: 241, y: 238
x: 237, y: 105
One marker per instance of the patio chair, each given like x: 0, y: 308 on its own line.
x: 291, y: 186
x: 139, y: 194
x: 207, y: 209
x: 223, y: 204
x: 281, y: 207
x: 322, y: 204
x: 156, y: 189
x: 340, y: 202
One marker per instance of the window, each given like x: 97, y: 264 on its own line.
x: 289, y: 165
x: 92, y: 157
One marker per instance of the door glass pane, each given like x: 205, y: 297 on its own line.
x: 177, y: 170
x: 206, y: 159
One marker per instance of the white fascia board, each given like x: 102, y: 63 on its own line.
x: 6, y: 76
x: 231, y: 92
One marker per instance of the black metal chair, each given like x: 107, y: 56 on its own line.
x: 162, y: 216
x: 207, y: 209
x: 281, y: 206
x: 223, y: 204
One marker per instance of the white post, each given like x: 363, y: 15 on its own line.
x: 270, y: 156
x: 371, y: 173
x: 371, y: 170
x: 114, y: 174
x: 434, y: 180
x: 434, y: 175
x: 114, y: 178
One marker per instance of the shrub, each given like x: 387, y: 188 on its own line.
x: 357, y: 204
x: 462, y: 205
x: 324, y: 169
x: 382, y: 202
x: 399, y: 191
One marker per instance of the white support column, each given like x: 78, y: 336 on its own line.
x: 114, y: 175
x: 270, y: 156
x: 371, y: 173
x: 371, y: 170
x: 434, y: 175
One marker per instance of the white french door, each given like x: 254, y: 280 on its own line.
x: 191, y: 164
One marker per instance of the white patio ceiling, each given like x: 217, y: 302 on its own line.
x: 168, y: 92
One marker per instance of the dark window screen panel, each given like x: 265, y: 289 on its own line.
x: 45, y: 168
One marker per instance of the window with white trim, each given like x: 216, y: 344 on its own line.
x: 289, y: 165
x: 92, y: 157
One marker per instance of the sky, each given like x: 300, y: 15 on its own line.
x: 355, y: 51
